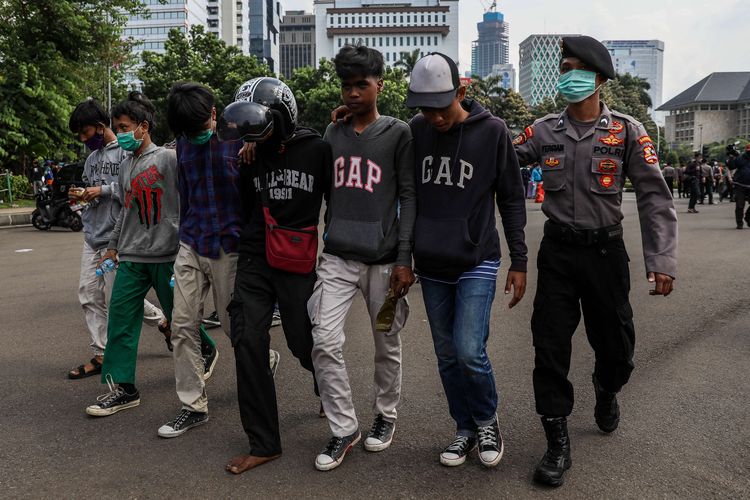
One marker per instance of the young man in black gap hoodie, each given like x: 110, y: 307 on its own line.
x: 290, y: 175
x: 465, y: 162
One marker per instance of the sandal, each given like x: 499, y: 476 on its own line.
x: 167, y: 331
x: 82, y: 373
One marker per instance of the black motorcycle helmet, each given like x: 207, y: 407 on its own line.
x: 249, y: 121
x: 277, y: 97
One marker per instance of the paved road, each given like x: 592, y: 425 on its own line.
x: 684, y: 432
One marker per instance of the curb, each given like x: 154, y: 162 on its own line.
x: 8, y: 220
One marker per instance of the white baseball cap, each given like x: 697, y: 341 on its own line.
x: 434, y: 81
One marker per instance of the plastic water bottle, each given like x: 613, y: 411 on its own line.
x: 107, y: 266
x: 171, y: 281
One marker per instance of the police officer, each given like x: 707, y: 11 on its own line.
x: 585, y: 154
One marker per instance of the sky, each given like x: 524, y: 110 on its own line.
x: 700, y: 37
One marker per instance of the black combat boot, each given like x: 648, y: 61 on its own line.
x: 556, y: 460
x: 606, y: 411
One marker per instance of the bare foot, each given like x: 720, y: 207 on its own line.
x: 240, y: 464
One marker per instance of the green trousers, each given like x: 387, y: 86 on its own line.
x: 125, y: 315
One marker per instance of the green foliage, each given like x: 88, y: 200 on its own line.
x: 53, y: 52
x: 407, y: 61
x: 21, y: 187
x: 199, y: 57
x: 672, y: 158
x: 503, y: 103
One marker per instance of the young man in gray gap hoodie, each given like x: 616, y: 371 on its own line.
x: 368, y: 240
x: 89, y: 122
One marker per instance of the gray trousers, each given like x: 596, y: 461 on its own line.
x: 93, y: 294
x: 337, y: 283
x: 193, y: 276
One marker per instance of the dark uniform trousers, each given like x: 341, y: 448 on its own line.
x: 258, y: 287
x: 572, y: 277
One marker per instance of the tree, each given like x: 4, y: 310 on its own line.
x: 511, y: 107
x: 318, y: 92
x: 200, y: 57
x: 407, y: 61
x: 548, y: 105
x: 54, y: 54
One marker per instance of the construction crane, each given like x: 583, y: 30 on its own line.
x: 492, y: 7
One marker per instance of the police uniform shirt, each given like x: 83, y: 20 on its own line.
x: 584, y: 175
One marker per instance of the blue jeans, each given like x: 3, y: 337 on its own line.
x: 459, y: 317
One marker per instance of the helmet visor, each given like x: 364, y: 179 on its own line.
x: 249, y: 121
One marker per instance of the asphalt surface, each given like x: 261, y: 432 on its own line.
x: 684, y: 430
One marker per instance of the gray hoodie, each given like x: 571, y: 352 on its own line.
x: 372, y: 207
x: 147, y: 227
x: 101, y: 169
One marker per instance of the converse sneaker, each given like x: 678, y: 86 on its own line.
x: 112, y: 402
x: 273, y: 361
x: 455, y: 453
x: 212, y: 320
x: 209, y: 362
x: 276, y: 318
x: 490, y: 444
x: 381, y: 434
x: 185, y: 420
x: 335, y: 451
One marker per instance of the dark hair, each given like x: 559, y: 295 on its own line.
x: 89, y: 112
x: 358, y: 60
x: 189, y: 106
x: 138, y: 108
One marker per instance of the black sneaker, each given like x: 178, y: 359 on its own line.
x: 112, y: 402
x: 185, y: 420
x: 209, y: 362
x: 606, y: 411
x: 490, y: 444
x: 455, y: 453
x: 381, y: 434
x: 212, y: 320
x: 335, y: 451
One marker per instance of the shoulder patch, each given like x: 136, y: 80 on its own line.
x: 644, y: 139
x: 524, y: 136
x: 649, y: 154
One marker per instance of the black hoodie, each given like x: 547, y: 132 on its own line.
x: 460, y: 174
x: 297, y: 176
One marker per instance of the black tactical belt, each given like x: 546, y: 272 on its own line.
x: 582, y: 237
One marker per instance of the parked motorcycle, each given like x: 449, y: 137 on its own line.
x: 53, y: 207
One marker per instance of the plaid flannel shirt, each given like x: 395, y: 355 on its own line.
x: 210, y: 206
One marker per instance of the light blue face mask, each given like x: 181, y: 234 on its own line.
x: 577, y: 84
x: 127, y: 140
x: 201, y: 137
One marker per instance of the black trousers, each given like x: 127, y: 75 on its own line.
x: 595, y: 279
x: 670, y: 184
x: 257, y: 288
x: 741, y: 195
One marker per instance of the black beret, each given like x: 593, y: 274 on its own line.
x: 591, y: 52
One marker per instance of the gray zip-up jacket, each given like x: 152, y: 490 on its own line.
x: 101, y: 169
x: 372, y: 207
x: 147, y: 227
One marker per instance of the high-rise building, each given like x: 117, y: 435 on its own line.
x: 228, y: 20
x: 492, y: 46
x: 642, y: 58
x: 265, y: 18
x: 297, y: 45
x: 394, y: 27
x: 539, y: 67
x: 150, y: 31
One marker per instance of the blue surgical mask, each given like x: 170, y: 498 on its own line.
x: 201, y: 137
x: 577, y: 84
x: 127, y: 140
